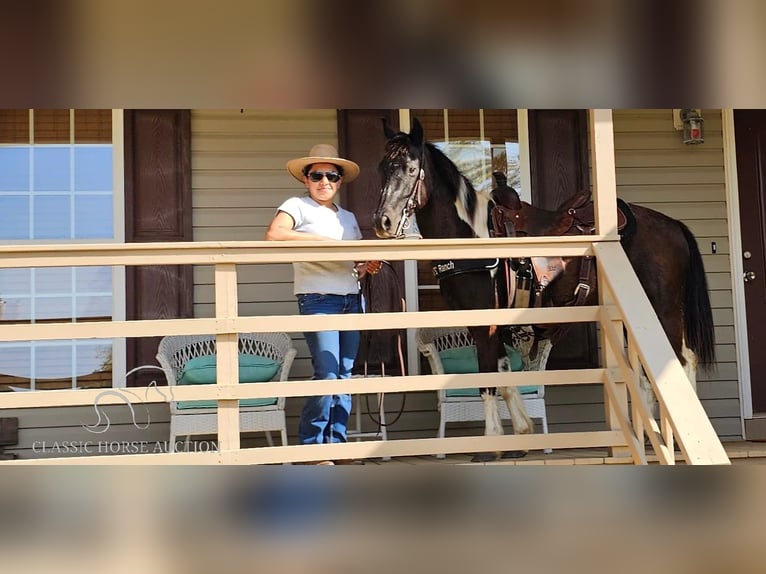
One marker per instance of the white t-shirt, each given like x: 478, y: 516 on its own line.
x: 329, y: 277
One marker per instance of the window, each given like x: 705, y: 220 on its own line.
x: 57, y: 184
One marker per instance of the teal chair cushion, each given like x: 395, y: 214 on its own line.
x: 464, y: 360
x: 252, y: 369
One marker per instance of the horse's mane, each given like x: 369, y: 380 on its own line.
x: 471, y: 206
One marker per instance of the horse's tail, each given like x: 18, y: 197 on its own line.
x: 698, y: 314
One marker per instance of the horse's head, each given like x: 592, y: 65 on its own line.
x: 403, y: 189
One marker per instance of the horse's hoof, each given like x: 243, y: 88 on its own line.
x: 514, y: 454
x: 484, y: 457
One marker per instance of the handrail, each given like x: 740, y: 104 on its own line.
x: 698, y: 442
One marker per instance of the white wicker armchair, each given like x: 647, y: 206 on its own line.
x: 174, y: 352
x: 432, y: 341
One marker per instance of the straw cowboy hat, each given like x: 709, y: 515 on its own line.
x: 323, y: 153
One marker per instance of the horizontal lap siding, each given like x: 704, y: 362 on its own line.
x: 655, y: 169
x: 60, y: 431
x: 238, y: 180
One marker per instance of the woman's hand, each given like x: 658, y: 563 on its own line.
x: 363, y: 267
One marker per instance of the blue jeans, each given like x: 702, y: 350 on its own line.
x: 324, y: 419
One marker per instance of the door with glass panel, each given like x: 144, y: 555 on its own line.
x: 57, y: 185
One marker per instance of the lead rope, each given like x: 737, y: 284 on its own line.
x: 368, y: 411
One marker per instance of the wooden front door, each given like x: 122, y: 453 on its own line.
x: 750, y: 134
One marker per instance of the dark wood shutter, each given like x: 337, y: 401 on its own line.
x: 158, y: 207
x: 558, y: 141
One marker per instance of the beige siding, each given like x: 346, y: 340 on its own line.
x: 686, y: 182
x: 238, y: 180
x: 60, y: 432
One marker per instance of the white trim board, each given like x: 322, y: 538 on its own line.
x: 737, y: 269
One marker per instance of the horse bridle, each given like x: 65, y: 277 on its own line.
x: 411, y: 205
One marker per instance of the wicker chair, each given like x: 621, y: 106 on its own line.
x: 432, y: 341
x: 173, y: 354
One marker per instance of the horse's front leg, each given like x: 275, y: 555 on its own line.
x: 520, y: 420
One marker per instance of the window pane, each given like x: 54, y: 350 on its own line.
x: 513, y: 165
x: 14, y: 169
x: 15, y: 282
x: 90, y: 307
x: 93, y: 357
x: 52, y: 169
x: 58, y: 308
x: 93, y: 168
x: 93, y: 217
x: 51, y: 217
x: 53, y: 280
x: 14, y: 217
x: 16, y: 308
x: 93, y: 279
x: 53, y: 362
x: 15, y: 362
x: 473, y: 159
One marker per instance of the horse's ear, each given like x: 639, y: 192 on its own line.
x: 389, y: 133
x: 416, y: 133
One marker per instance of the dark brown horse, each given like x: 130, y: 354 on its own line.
x: 418, y: 180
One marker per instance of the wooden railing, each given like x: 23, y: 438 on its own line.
x: 625, y: 306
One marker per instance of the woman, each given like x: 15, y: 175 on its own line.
x: 323, y: 287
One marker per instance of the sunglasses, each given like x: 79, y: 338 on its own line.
x: 332, y: 176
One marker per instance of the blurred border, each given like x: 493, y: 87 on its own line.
x: 399, y: 53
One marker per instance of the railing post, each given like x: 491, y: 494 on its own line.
x: 227, y: 352
x: 635, y: 365
x: 601, y: 130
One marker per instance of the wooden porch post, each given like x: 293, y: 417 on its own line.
x: 601, y: 130
x: 604, y: 171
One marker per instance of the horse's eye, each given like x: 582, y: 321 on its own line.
x: 412, y: 170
